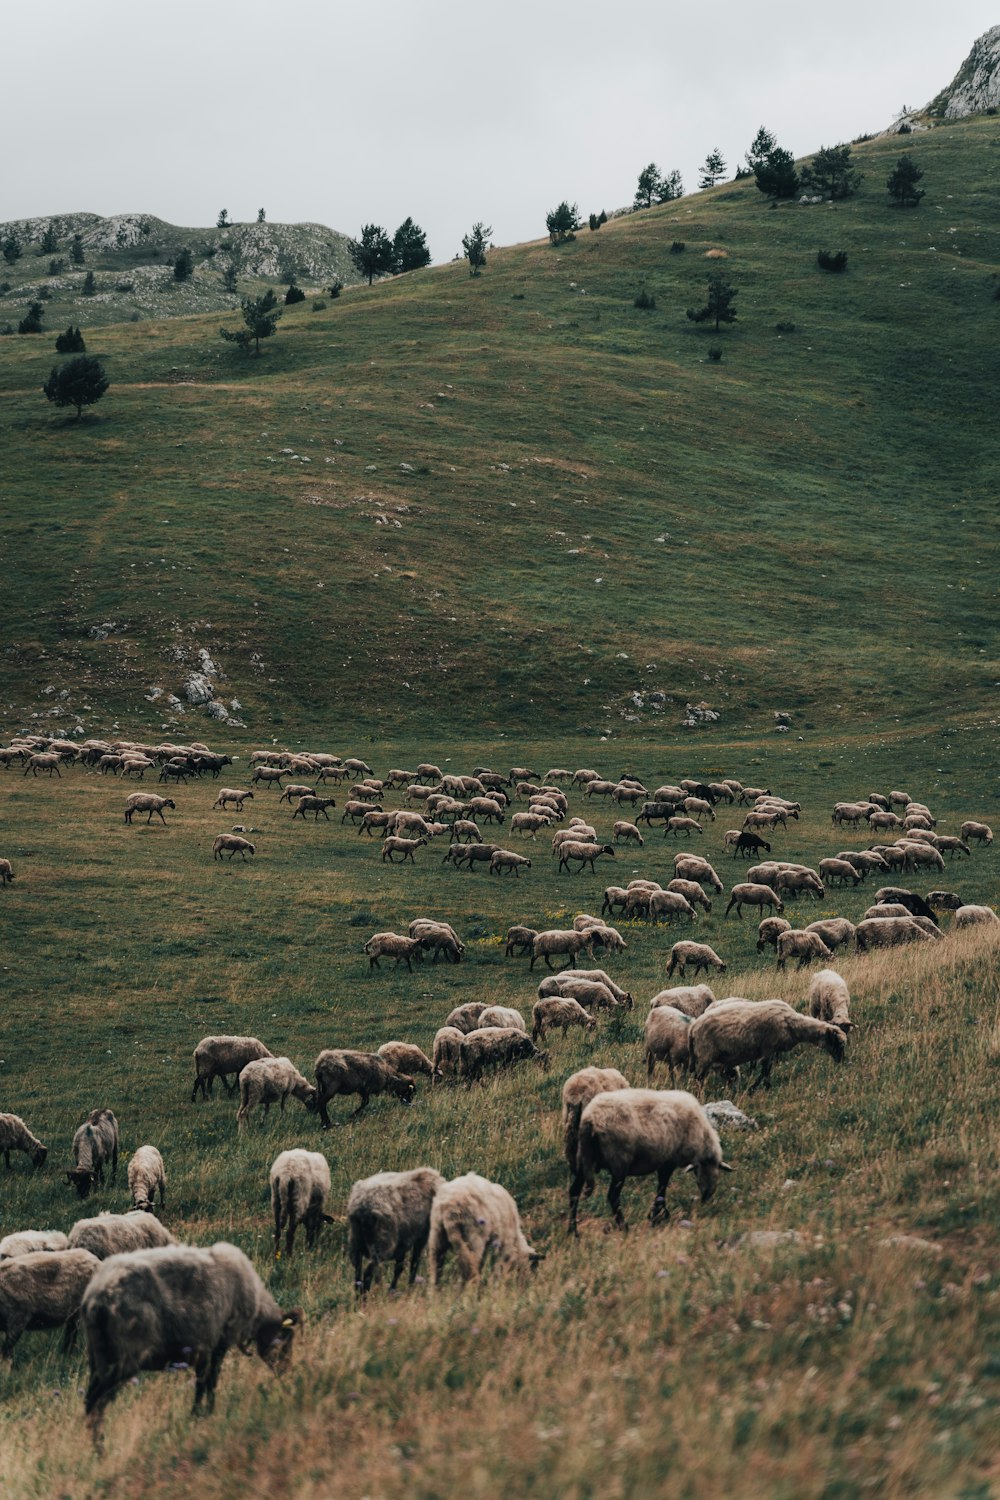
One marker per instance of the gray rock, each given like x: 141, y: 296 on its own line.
x: 724, y: 1114
x: 909, y: 1242
x: 217, y: 710
x: 768, y: 1239
x: 198, y: 689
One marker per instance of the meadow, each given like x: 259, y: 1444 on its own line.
x: 840, y: 1360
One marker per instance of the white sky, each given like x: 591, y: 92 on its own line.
x: 446, y: 110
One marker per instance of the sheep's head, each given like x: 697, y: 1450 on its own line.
x: 274, y: 1340
x: 38, y: 1155
x: 403, y: 1087
x: 82, y: 1179
x: 835, y: 1043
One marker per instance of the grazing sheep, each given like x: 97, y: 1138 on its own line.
x: 506, y: 859
x: 748, y: 894
x: 691, y: 999
x: 635, y: 1132
x: 666, y: 1038
x: 854, y: 813
x: 43, y: 1289
x: 503, y: 1016
x: 146, y: 1177
x: 149, y: 803
x: 803, y: 945
x: 693, y: 867
x: 919, y: 855
x: 951, y: 846
x: 577, y: 1092
x: 839, y: 871
x: 698, y: 955
x: 467, y: 830
x: 32, y: 1241
x: 341, y: 1072
x: 15, y: 1136
x: 559, y: 984
x: 559, y: 1011
x: 94, y: 1144
x: 293, y: 791
x: 438, y: 937
x: 389, y: 1217
x: 406, y: 1058
x: 880, y: 820
x: 519, y: 940
x: 746, y: 844
x: 119, y: 1234
x: 393, y: 945
x: 140, y: 1311
x: 975, y: 916
x: 627, y: 831
x: 300, y: 1186
x: 691, y: 891
x: 495, y: 1047
x: 669, y: 904
x: 944, y: 900
x: 315, y: 805
x: 270, y: 1080
x: 867, y: 861
x: 6, y: 872
x: 591, y: 994
x: 557, y: 941
x: 830, y: 999
x: 584, y: 854
x: 469, y: 854
x: 888, y: 932
x: 478, y: 1220
x: 799, y: 883
x: 235, y: 844
x: 218, y: 1056
x: 769, y: 931
x: 676, y: 825
x: 608, y: 937
x: 698, y: 807
x: 448, y: 1049
x: 747, y: 1031
x: 406, y: 847
x: 466, y: 1017
x: 267, y: 775
x: 615, y: 899
x: 981, y: 832
x: 835, y: 932
x: 885, y: 909
x: 233, y: 794
x: 914, y: 904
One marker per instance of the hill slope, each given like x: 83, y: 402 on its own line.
x: 482, y: 500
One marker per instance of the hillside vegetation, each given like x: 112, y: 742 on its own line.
x: 486, y: 496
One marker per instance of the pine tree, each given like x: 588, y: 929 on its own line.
x: 79, y: 383
x: 70, y: 342
x: 562, y: 222
x: 222, y: 222
x: 474, y: 244
x: 260, y: 315
x: 719, y: 306
x: 261, y: 216
x: 762, y: 148
x: 409, y: 248
x: 372, y: 254
x: 76, y: 250
x: 776, y: 175
x: 32, y: 320
x: 11, y: 247
x: 713, y: 169
x: 183, y: 265
x: 830, y: 173
x: 648, y: 187
x: 89, y: 284
x: 49, y: 242
x: 902, y: 183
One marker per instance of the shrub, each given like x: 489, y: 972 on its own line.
x: 32, y: 320
x: 294, y: 294
x: 562, y: 222
x: 715, y: 353
x: 70, y: 342
x: 645, y: 301
x: 89, y: 284
x: 677, y: 247
x: 183, y: 265
x: 125, y: 286
x: 828, y: 260
x: 57, y: 266
x: 318, y: 304
x: 4, y: 286
x: 594, y: 222
x: 784, y: 328
x: 336, y: 289
x: 79, y: 383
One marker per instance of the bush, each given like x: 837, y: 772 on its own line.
x: 89, y: 284
x: 70, y: 342
x: 125, y: 286
x: 828, y: 260
x: 294, y: 294
x: 677, y: 247
x: 336, y: 289
x: 4, y: 286
x: 594, y: 222
x: 57, y: 266
x: 79, y: 383
x: 715, y: 353
x: 562, y: 222
x: 183, y: 265
x: 318, y: 305
x: 32, y: 320
x: 784, y: 328
x: 645, y: 301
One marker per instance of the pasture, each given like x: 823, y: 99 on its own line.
x: 855, y: 1353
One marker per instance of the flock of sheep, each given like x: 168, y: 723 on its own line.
x: 147, y: 1302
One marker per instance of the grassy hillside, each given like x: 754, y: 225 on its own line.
x: 482, y: 496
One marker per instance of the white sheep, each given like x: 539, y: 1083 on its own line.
x: 300, y: 1186
x: 803, y: 945
x: 698, y: 955
x: 519, y: 940
x: 406, y: 1058
x: 119, y: 1234
x: 627, y: 831
x: 506, y: 859
x: 15, y: 1136
x: 692, y: 999
x: 692, y: 891
x: 501, y: 1015
x: 888, y: 932
x: 149, y: 803
x: 389, y: 1217
x: 559, y: 1011
x: 6, y: 872
x: 477, y: 1220
x: 466, y: 1017
x: 769, y: 930
x: 981, y: 832
x: 739, y: 1032
x: 835, y: 932
x: 749, y: 894
x: 218, y: 1056
x: 146, y: 1177
x: 448, y: 1049
x: 635, y: 1132
x: 393, y: 945
x: 577, y: 1092
x: 31, y: 1242
x: 560, y: 984
x: 407, y: 848
x: 270, y: 1080
x: 233, y: 794
x: 693, y: 867
x: 667, y: 1039
x: 583, y: 854
x: 43, y: 1289
x: 975, y: 916
x: 830, y: 999
x: 558, y: 941
x: 233, y: 843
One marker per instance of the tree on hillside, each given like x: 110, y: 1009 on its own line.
x: 902, y: 183
x: 183, y: 265
x: 294, y: 293
x: 761, y: 149
x: 713, y: 169
x: 772, y: 166
x: 719, y: 305
x: 830, y: 173
x: 76, y: 250
x: 222, y: 222
x: 70, y: 342
x: 656, y: 187
x: 89, y: 284
x: 79, y: 383
x: 48, y: 243
x: 261, y: 216
x: 409, y: 248
x: 562, y: 222
x: 474, y: 244
x: 230, y: 276
x: 32, y: 320
x: 11, y: 247
x: 371, y: 255
x: 260, y: 315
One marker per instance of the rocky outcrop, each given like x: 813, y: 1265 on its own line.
x: 976, y: 86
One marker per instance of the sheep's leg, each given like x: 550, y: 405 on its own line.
x: 208, y: 1378
x: 614, y: 1202
x: 362, y: 1106
x: 658, y: 1213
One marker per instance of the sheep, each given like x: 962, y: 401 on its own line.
x: 270, y: 1080
x: 486, y: 808
x: 495, y: 1046
x: 666, y: 1038
x: 573, y: 833
x: 851, y: 812
x: 447, y: 1050
x: 477, y: 1219
x: 944, y: 900
x: 691, y: 891
x: 744, y: 843
x: 698, y: 955
x: 300, y: 1186
x: 918, y: 820
x: 232, y: 794
x: 583, y: 921
x: 669, y: 904
x: 914, y: 904
x: 43, y: 761
x: 503, y: 1016
x: 885, y: 909
x: 918, y: 855
x: 762, y: 818
x: 393, y: 945
x: 799, y: 883
x: 690, y: 999
x: 341, y: 1072
x: 506, y: 859
x: 556, y: 941
x: 830, y: 999
x: 697, y: 807
x: 218, y: 1056
x: 559, y: 1011
x: 119, y: 1234
x: 975, y: 916
x: 951, y: 846
x: 577, y: 1092
x: 469, y: 854
x: 599, y: 788
x: 752, y: 793
x: 693, y: 867
x: 637, y: 901
x: 388, y: 1218
x: 888, y: 932
x: 467, y: 829
x: 405, y: 847
x: 584, y: 854
x: 981, y: 832
x: 748, y: 1031
x: 267, y: 775
x: 149, y: 803
x: 769, y: 930
x: 803, y: 945
x: 880, y: 820
x: 406, y: 1058
x: 835, y: 932
x: 140, y: 1311
x: 865, y: 861
x: 635, y: 1132
x: 466, y: 1017
x: 519, y: 940
x: 94, y: 1144
x: 235, y: 844
x: 582, y: 777
x: 592, y: 994
x: 529, y: 823
x: 627, y: 831
x: 438, y: 937
x: 559, y: 984
x: 615, y: 898
x: 6, y: 872
x: 839, y: 870
x: 146, y: 1177
x: 15, y: 1136
x: 354, y: 809
x: 748, y: 894
x: 43, y: 1289
x: 315, y: 805
x: 677, y: 825
x: 32, y: 1241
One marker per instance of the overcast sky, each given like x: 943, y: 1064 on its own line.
x: 445, y: 110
